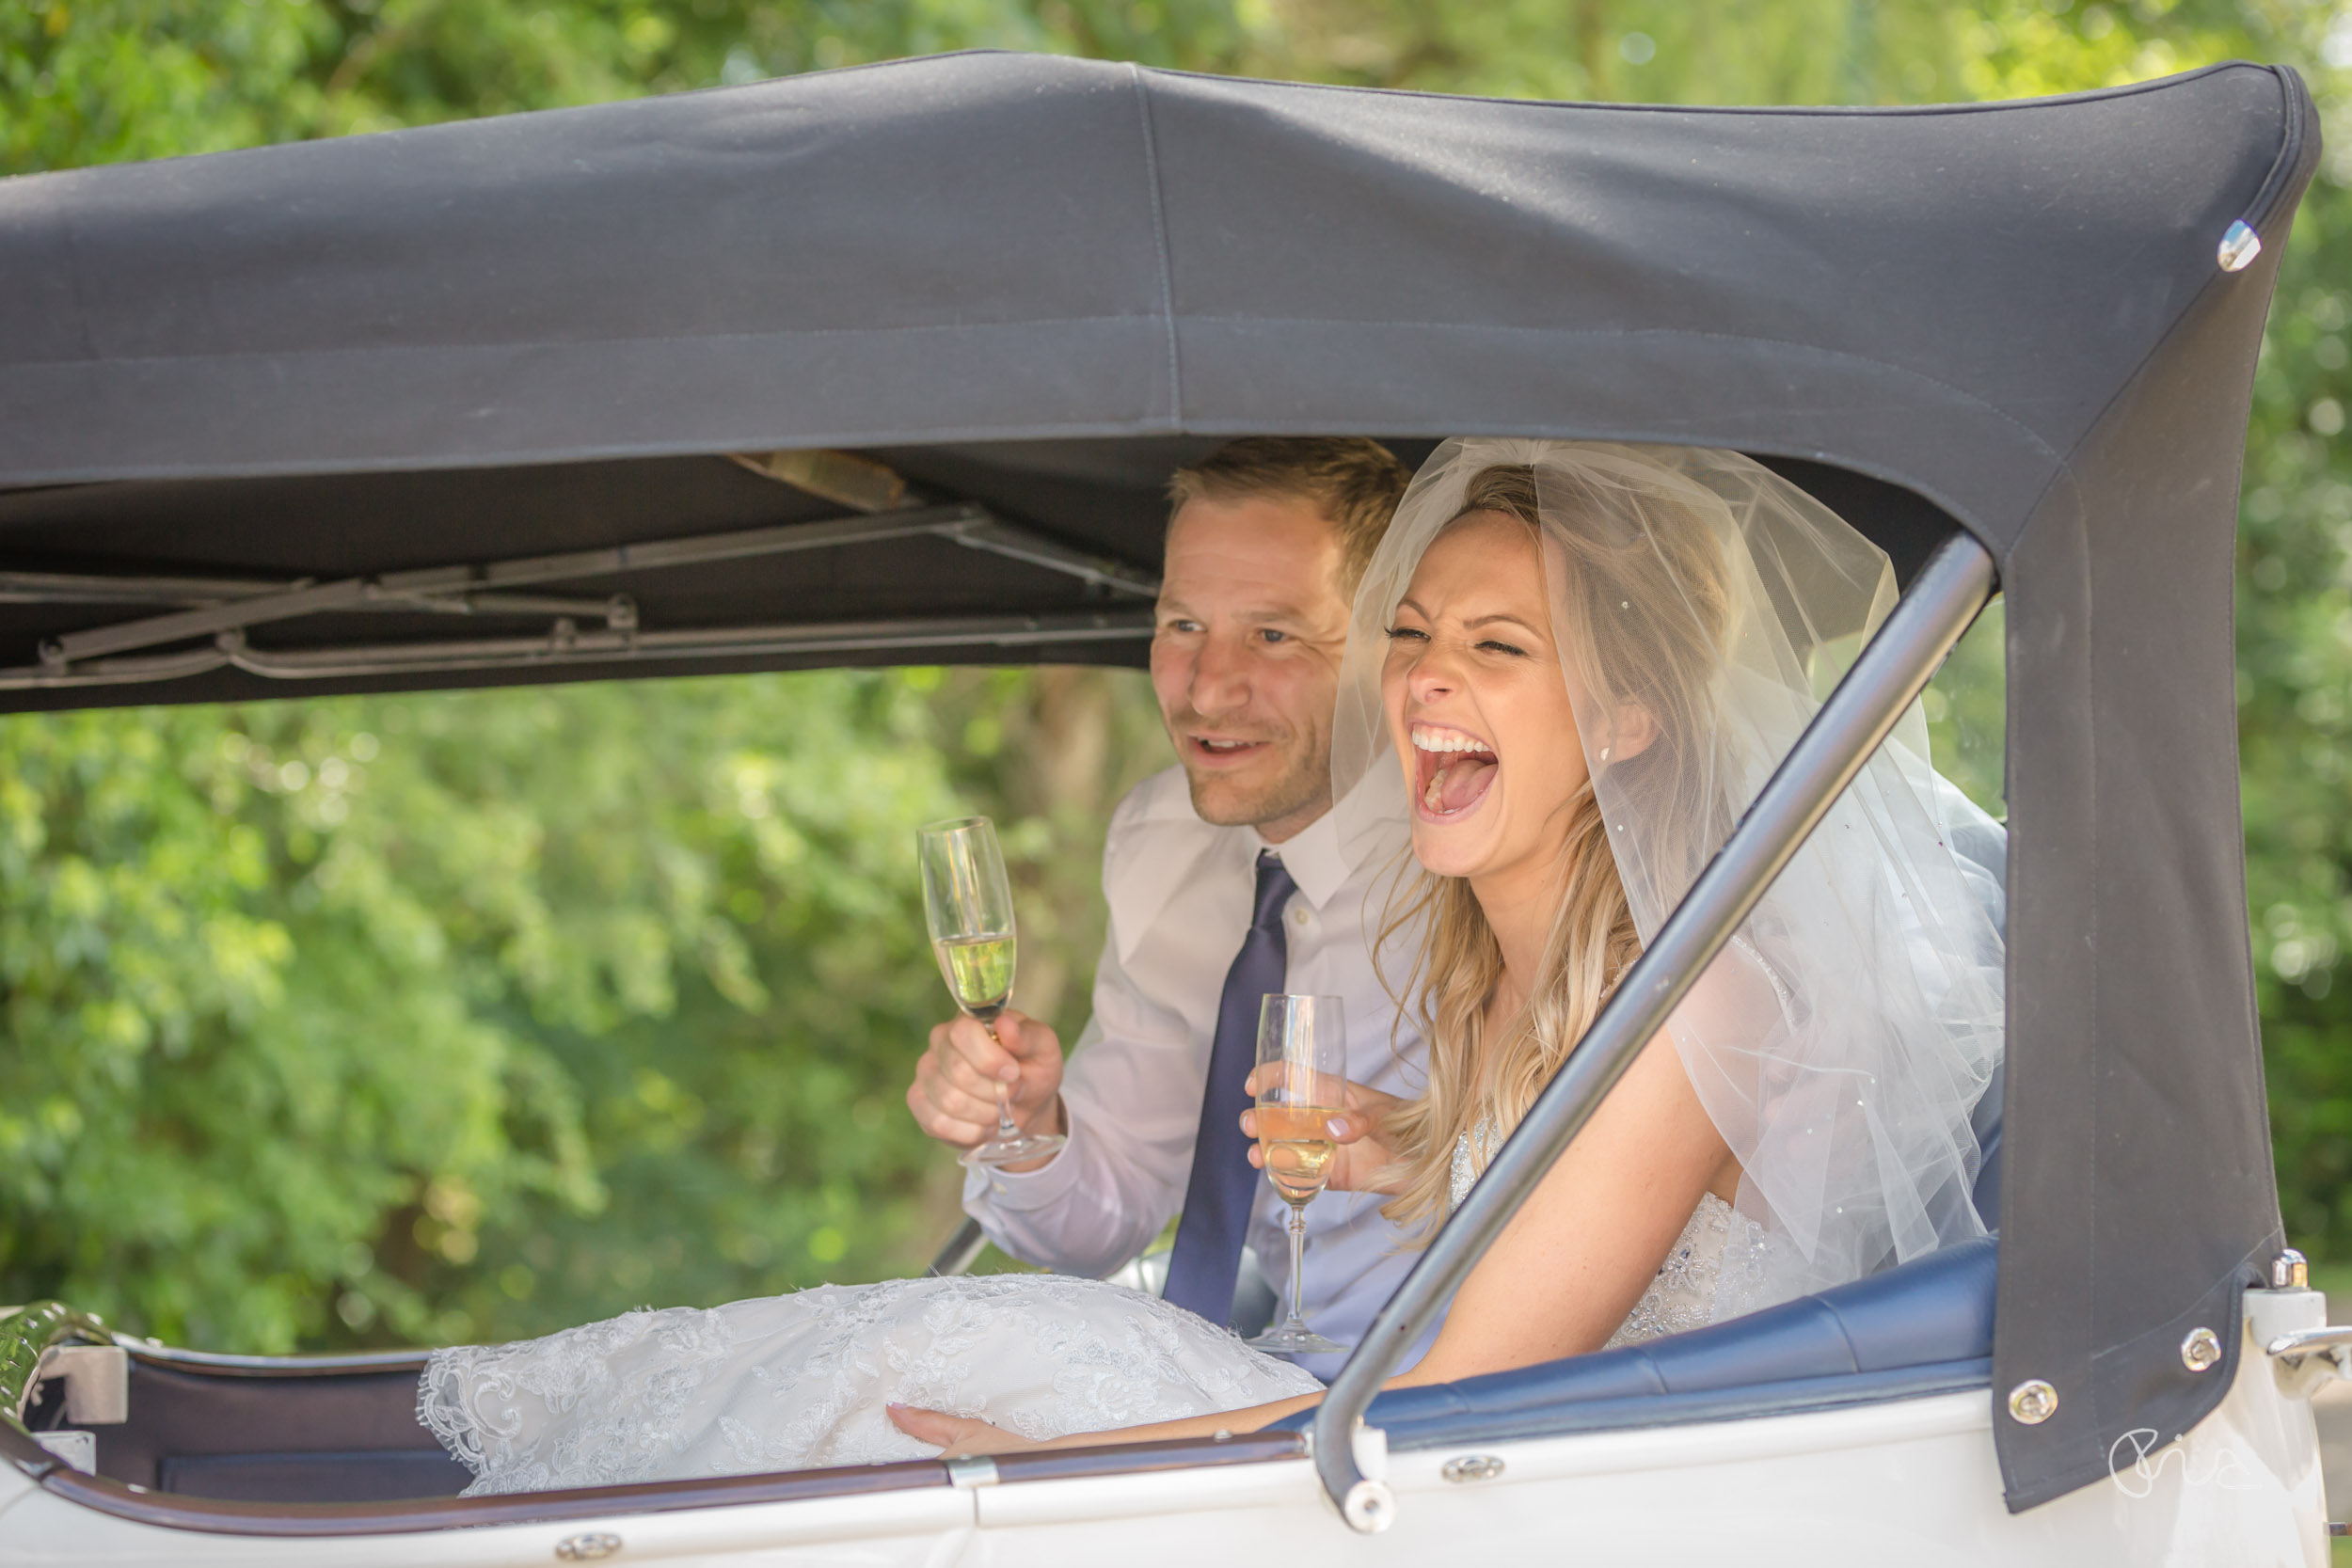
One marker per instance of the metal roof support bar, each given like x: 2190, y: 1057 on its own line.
x: 462, y: 588
x: 570, y: 645
x: 51, y: 588
x: 962, y: 1250
x: 103, y: 588
x: 1018, y: 544
x: 597, y: 647
x: 1953, y: 586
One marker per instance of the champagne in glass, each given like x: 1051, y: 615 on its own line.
x: 1302, y: 1080
x: 967, y: 904
x: 979, y: 974
x: 1296, y: 1143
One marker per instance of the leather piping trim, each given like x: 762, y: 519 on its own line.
x: 214, y: 1364
x: 210, y: 1517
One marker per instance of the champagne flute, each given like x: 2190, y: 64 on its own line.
x: 967, y: 904
x: 1302, y: 1079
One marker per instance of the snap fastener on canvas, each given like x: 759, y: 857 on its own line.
x: 2033, y: 1403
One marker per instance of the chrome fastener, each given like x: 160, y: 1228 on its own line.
x: 590, y: 1547
x: 2201, y: 1350
x: 967, y: 1471
x: 2240, y: 245
x: 1370, y: 1507
x: 2289, y: 1271
x: 2033, y: 1403
x: 2308, y: 1358
x: 1472, y: 1466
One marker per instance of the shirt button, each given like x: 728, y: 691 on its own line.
x: 1301, y: 916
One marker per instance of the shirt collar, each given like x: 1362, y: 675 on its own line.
x: 1312, y: 857
x: 1319, y: 857
x: 1368, y: 823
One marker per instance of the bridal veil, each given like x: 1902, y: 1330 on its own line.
x: 1841, y: 1041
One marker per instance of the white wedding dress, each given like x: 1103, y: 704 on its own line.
x: 800, y: 1382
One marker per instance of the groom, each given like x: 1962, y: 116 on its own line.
x: 1226, y: 878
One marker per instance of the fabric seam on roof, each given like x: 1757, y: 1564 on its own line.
x: 1962, y: 392
x: 1775, y: 111
x: 1159, y: 242
x: 2294, y: 108
x: 531, y: 345
x: 2065, y: 469
x: 2279, y: 177
x: 2095, y: 681
x: 538, y: 344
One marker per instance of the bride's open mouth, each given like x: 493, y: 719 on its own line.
x: 1455, y: 770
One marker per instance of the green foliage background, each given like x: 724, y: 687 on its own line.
x: 469, y: 1016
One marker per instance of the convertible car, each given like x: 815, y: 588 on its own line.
x: 891, y: 365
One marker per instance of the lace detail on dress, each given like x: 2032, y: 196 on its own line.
x: 1471, y: 1151
x: 1746, y: 1283
x: 1687, y: 1293
x: 1717, y: 1268
x: 800, y: 1381
x: 609, y: 1394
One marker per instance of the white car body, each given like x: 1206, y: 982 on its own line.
x: 1909, y: 1480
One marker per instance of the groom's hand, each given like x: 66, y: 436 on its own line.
x: 954, y: 1093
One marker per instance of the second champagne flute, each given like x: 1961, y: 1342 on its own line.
x: 967, y: 904
x: 1302, y: 1083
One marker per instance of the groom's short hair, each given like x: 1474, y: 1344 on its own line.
x: 1354, y: 482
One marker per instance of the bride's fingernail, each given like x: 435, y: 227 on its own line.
x: 1338, y: 1127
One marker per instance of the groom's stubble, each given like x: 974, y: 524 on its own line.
x: 1290, y: 799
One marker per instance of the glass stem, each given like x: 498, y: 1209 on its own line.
x: 1006, y: 1130
x: 1299, y: 1262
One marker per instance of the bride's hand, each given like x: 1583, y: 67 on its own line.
x: 1362, y: 1156
x: 957, y: 1435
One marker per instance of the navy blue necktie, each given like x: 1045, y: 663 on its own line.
x: 1207, y: 1257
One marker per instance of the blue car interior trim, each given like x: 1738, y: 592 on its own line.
x: 1923, y: 1327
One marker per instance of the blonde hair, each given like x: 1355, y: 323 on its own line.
x: 1643, y: 619
x: 1352, y: 481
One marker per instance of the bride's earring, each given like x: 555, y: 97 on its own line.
x: 1604, y: 753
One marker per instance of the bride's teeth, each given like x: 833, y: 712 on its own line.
x: 1434, y: 797
x: 1430, y: 740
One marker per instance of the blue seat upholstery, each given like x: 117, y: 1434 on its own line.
x: 1922, y: 1327
x: 1986, y: 1124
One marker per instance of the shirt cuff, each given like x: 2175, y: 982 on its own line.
x: 1027, y: 1191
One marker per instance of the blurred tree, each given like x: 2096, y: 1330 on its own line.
x: 557, y: 998
x: 467, y: 1016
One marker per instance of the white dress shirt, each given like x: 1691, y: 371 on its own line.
x: 1180, y: 893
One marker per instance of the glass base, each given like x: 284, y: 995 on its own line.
x: 1293, y: 1338
x: 1013, y: 1152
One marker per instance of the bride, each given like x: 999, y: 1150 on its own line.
x: 1580, y: 663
